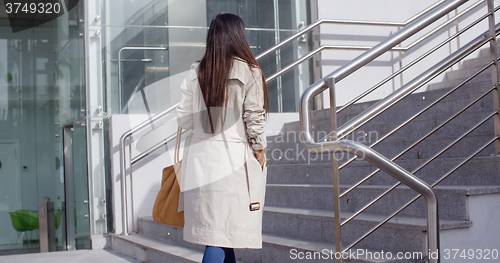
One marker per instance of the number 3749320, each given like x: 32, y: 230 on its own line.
x: 32, y: 8
x: 470, y: 254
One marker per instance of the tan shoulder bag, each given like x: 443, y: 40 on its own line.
x: 167, y: 200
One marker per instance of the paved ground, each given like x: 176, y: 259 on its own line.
x: 79, y: 256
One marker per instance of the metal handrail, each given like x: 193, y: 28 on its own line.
x: 445, y: 24
x: 433, y: 185
x: 419, y: 195
x: 376, y: 51
x: 415, y: 116
x: 428, y: 161
x: 318, y: 23
x: 316, y: 51
x: 376, y: 159
x: 154, y: 148
x: 400, y: 71
x: 382, y: 47
x: 380, y: 107
x: 408, y: 121
x: 345, y: 22
x: 159, y: 145
x: 362, y: 150
x: 421, y: 139
x: 431, y: 159
x: 123, y: 162
x: 413, y: 85
x: 347, y: 47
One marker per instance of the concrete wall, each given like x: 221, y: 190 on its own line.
x: 484, y: 212
x: 387, y: 11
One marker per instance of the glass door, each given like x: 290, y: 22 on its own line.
x: 76, y: 189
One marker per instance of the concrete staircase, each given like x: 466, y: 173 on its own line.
x: 298, y: 215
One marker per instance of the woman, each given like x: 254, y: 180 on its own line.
x: 224, y: 103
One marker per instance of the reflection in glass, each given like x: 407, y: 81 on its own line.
x: 41, y: 91
x: 148, y: 79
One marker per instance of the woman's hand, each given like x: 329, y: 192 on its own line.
x: 261, y: 157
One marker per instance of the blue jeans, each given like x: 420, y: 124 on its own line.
x: 218, y: 255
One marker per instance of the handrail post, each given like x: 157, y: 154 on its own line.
x: 400, y: 63
x: 131, y: 187
x: 330, y: 82
x: 494, y: 71
x: 433, y: 242
x: 123, y: 164
x: 123, y: 179
x: 458, y: 37
x: 316, y: 59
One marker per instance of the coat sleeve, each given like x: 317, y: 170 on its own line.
x: 185, y: 107
x: 254, y: 112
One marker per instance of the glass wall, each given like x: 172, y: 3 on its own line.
x: 61, y: 80
x: 41, y: 93
x: 138, y: 53
x: 146, y: 44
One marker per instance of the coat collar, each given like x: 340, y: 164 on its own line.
x: 239, y: 70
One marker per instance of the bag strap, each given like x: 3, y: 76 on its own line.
x: 177, y: 145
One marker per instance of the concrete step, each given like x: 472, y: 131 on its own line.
x: 408, y: 107
x: 420, y: 126
x: 396, y: 115
x: 452, y: 199
x: 465, y: 73
x: 468, y: 68
x: 147, y: 226
x: 433, y: 145
x: 321, y: 173
x: 485, y: 52
x: 476, y: 62
x: 153, y: 250
x: 289, y: 142
x: 318, y: 225
x: 481, y: 81
x: 393, y: 118
x: 275, y: 247
x: 295, y: 153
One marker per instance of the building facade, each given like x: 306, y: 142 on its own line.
x: 62, y: 80
x: 70, y: 87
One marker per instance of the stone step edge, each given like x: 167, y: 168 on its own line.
x: 163, y: 246
x: 451, y: 83
x: 379, y: 122
x: 468, y: 190
x: 361, y: 162
x: 371, y: 102
x: 403, y: 222
x: 270, y: 241
x: 390, y: 140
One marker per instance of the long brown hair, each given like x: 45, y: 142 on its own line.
x: 226, y: 40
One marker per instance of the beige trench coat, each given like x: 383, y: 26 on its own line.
x: 220, y: 175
